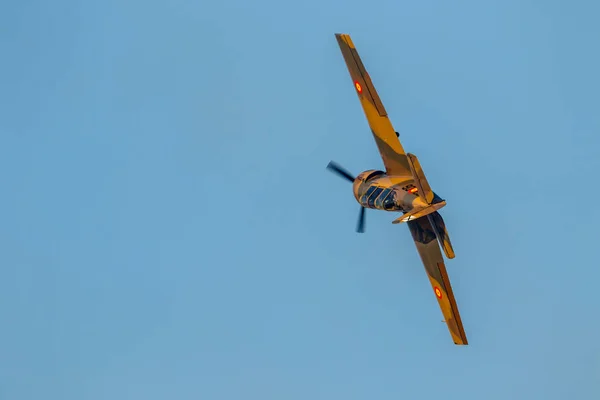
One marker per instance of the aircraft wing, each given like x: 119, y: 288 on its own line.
x: 426, y: 241
x: 390, y: 148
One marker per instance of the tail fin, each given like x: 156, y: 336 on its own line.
x: 425, y: 192
x: 441, y: 232
x: 423, y: 187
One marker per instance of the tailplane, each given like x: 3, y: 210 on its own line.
x: 418, y: 213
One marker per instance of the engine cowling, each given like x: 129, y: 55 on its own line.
x: 364, y: 178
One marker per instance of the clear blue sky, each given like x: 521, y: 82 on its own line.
x: 169, y: 231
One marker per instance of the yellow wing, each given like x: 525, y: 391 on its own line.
x: 390, y: 148
x: 425, y: 239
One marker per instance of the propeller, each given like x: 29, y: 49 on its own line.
x: 336, y: 168
x: 360, y: 227
x: 342, y: 172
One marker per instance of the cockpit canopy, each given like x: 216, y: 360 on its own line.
x: 371, y: 174
x: 374, y: 174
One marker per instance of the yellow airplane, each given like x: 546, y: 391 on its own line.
x: 401, y: 188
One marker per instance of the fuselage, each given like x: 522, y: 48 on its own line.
x: 375, y: 189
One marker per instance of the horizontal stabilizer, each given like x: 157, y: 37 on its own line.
x: 410, y: 216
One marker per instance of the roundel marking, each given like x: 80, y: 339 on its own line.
x: 358, y: 87
x: 438, y: 292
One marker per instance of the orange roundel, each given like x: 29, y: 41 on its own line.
x: 438, y: 292
x: 358, y: 87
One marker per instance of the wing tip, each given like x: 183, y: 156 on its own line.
x: 460, y: 339
x: 345, y: 37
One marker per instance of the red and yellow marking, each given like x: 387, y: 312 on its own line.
x: 358, y: 87
x: 412, y: 190
x: 438, y: 292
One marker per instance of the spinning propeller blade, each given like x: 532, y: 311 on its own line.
x: 334, y: 167
x: 360, y: 227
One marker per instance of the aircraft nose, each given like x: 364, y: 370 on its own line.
x: 355, y: 186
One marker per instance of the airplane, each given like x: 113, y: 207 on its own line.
x: 402, y: 187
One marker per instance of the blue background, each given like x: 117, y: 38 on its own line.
x: 169, y: 231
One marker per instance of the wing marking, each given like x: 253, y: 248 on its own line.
x: 390, y: 148
x: 426, y: 241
